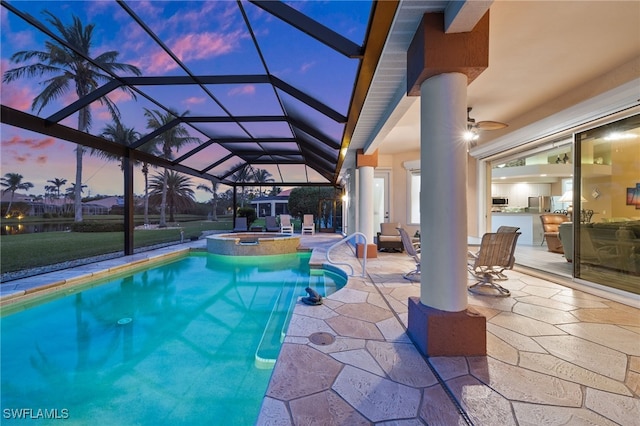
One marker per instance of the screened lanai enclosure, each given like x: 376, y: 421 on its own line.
x: 229, y: 93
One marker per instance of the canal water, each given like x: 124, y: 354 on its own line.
x: 31, y: 227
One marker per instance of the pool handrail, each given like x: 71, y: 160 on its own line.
x: 344, y: 240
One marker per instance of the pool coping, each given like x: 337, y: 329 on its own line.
x: 22, y: 289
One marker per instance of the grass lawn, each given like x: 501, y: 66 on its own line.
x: 26, y: 251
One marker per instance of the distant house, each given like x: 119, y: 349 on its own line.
x: 272, y: 206
x: 40, y: 207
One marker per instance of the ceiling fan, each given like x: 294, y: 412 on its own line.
x: 483, y: 125
x: 471, y: 135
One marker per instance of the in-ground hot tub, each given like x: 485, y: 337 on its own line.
x: 252, y: 244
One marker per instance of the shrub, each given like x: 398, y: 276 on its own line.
x: 247, y: 212
x: 97, y: 227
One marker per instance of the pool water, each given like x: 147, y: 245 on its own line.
x: 187, y: 342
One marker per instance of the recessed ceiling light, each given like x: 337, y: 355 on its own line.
x: 617, y: 136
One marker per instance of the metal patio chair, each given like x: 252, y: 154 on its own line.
x: 240, y: 225
x: 271, y: 224
x: 495, y: 255
x: 413, y: 250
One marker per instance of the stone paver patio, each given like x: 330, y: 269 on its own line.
x: 556, y: 355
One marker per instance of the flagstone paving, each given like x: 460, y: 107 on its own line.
x: 556, y: 355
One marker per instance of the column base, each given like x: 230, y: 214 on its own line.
x: 441, y: 333
x: 372, y: 251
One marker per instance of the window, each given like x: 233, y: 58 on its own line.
x: 414, y: 197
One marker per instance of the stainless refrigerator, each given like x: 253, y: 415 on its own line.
x: 541, y: 204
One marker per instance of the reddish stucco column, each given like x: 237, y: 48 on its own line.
x: 440, y: 66
x: 366, y: 165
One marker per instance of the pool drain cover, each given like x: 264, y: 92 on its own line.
x: 123, y: 321
x: 322, y: 338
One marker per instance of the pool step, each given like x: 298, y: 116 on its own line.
x: 276, y: 329
x: 271, y: 339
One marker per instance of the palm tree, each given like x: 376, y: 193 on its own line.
x: 243, y: 175
x: 174, y: 138
x: 13, y: 182
x: 54, y: 189
x: 263, y: 176
x: 151, y: 149
x: 56, y: 184
x: 213, y: 190
x: 66, y: 67
x: 175, y: 187
x: 119, y: 133
x: 72, y: 191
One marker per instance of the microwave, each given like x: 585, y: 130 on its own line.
x: 499, y: 201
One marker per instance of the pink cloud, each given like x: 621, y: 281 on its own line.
x: 160, y: 62
x: 18, y: 97
x: 15, y: 94
x: 104, y: 114
x: 248, y: 89
x: 118, y: 97
x: 204, y: 45
x: 197, y: 20
x: 42, y: 159
x: 29, y: 143
x: 148, y: 8
x: 21, y: 40
x: 307, y: 66
x: 194, y: 100
x: 191, y: 47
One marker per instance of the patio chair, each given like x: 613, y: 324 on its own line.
x: 502, y: 276
x: 508, y: 229
x: 413, y: 250
x: 495, y: 255
x: 286, y: 227
x: 271, y: 224
x: 389, y: 238
x: 240, y: 225
x: 307, y: 225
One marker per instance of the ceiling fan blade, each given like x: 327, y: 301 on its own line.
x: 490, y: 125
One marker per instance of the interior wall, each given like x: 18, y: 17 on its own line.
x: 472, y: 197
x: 398, y: 199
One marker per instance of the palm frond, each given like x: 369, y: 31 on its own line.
x: 55, y: 87
x: 33, y: 70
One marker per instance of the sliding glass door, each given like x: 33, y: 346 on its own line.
x: 606, y: 220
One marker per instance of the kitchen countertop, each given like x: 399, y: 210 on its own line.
x: 523, y: 213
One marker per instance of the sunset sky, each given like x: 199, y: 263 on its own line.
x: 208, y: 37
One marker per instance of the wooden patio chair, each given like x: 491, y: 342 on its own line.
x: 495, y: 255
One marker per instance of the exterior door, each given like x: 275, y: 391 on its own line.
x: 380, y: 198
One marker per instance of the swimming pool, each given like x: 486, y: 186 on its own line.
x: 190, y: 341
